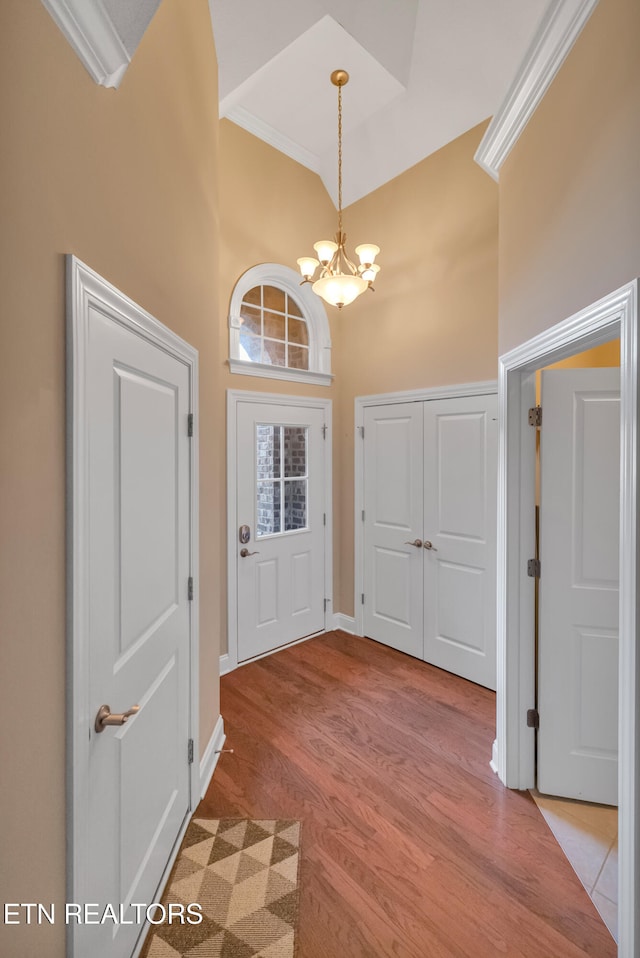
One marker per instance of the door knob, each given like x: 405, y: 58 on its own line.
x: 416, y: 542
x: 429, y: 545
x: 245, y: 552
x: 106, y: 717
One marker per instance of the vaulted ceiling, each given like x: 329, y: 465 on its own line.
x: 422, y: 73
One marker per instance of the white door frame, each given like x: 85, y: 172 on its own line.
x: 513, y: 754
x: 86, y: 290
x: 459, y: 391
x: 235, y: 396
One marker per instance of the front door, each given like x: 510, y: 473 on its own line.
x: 430, y: 531
x: 578, y: 590
x: 280, y: 527
x: 132, y: 516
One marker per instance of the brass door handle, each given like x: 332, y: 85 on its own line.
x: 429, y: 545
x: 416, y: 542
x: 106, y: 717
x: 245, y: 552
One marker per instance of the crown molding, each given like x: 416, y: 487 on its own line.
x: 558, y: 31
x: 91, y: 33
x: 267, y: 133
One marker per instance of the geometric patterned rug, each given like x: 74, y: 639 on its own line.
x: 244, y: 874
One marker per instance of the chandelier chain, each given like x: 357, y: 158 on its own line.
x: 340, y: 159
x: 340, y: 281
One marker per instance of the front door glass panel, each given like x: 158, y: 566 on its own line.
x: 282, y: 479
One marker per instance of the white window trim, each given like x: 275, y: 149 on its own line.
x: 282, y: 277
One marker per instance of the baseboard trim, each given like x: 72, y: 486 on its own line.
x: 226, y: 664
x: 346, y: 623
x: 211, y: 755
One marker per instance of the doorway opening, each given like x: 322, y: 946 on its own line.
x: 513, y: 757
x: 577, y: 432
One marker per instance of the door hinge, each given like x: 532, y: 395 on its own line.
x: 190, y: 589
x: 363, y: 515
x: 326, y: 603
x: 362, y: 598
x: 190, y: 425
x: 361, y: 428
x: 533, y: 718
x: 324, y: 518
x: 324, y: 430
x: 535, y: 416
x: 533, y: 568
x: 190, y: 751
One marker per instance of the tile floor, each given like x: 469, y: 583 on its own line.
x: 588, y: 835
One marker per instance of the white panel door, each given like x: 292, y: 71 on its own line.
x: 139, y: 613
x: 460, y: 505
x: 430, y: 531
x: 393, y: 506
x: 578, y: 589
x: 280, y: 499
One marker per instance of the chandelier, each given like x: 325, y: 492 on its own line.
x: 340, y: 280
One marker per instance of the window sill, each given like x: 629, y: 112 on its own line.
x: 266, y: 371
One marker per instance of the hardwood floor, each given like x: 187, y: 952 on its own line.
x: 411, y: 847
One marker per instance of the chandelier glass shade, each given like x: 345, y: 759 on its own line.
x: 340, y: 280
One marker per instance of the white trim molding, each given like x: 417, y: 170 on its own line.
x: 458, y: 390
x: 554, y: 38
x: 235, y: 396
x: 513, y: 755
x: 314, y: 313
x: 346, y: 623
x: 226, y: 665
x: 264, y: 371
x: 267, y: 133
x: 211, y: 755
x: 93, y: 36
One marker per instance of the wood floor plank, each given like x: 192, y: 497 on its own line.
x: 411, y: 847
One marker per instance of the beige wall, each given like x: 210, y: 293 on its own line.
x: 433, y: 318
x: 272, y: 210
x: 127, y: 181
x: 570, y: 190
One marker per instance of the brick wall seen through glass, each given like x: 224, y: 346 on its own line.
x: 282, y: 479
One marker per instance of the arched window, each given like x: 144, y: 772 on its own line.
x: 277, y: 328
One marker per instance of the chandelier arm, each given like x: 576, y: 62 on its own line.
x: 352, y: 266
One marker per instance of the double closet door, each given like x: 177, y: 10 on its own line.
x: 430, y: 532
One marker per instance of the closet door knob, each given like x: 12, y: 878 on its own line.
x: 106, y: 717
x: 429, y: 545
x: 416, y: 542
